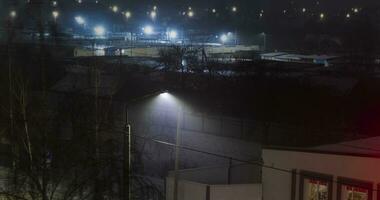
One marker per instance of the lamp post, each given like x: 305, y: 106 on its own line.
x: 127, y: 145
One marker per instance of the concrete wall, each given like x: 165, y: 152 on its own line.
x: 215, y: 134
x: 277, y: 184
x: 236, y: 192
x: 196, y: 191
x: 234, y: 174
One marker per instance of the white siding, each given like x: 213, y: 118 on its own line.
x: 277, y: 184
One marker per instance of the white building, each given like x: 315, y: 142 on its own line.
x: 343, y: 171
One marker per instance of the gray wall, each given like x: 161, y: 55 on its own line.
x: 157, y: 119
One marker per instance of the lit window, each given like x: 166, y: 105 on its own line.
x: 315, y: 189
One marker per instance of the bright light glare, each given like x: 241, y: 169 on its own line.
x: 190, y: 14
x: 115, y: 9
x: 173, y: 34
x: 165, y: 94
x: 303, y: 9
x: 234, y: 9
x: 128, y: 14
x: 153, y: 14
x: 99, y: 30
x: 348, y: 15
x: 80, y: 20
x: 55, y: 14
x: 224, y: 38
x: 13, y: 14
x: 322, y: 16
x: 148, y: 30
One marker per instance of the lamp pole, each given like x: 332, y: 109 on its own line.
x: 126, y: 157
x: 177, y: 152
x: 127, y: 148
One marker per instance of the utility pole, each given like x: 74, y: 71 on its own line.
x: 126, y: 191
x: 177, y: 151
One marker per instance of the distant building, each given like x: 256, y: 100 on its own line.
x: 343, y: 171
x: 324, y: 60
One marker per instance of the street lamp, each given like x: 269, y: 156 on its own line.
x: 128, y: 14
x: 322, y: 16
x: 99, y: 30
x: 127, y: 137
x: 234, y: 9
x: 115, y: 9
x: 80, y: 20
x: 190, y: 14
x: 13, y: 14
x: 55, y: 14
x: 148, y: 30
x: 172, y: 35
x: 224, y: 38
x: 153, y: 15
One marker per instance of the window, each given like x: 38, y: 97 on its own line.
x: 349, y: 189
x: 315, y: 186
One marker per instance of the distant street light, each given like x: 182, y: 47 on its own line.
x: 224, y: 38
x: 303, y: 10
x: 154, y: 7
x: 80, y: 20
x: 148, y: 30
x: 356, y: 10
x: 348, y: 15
x: 128, y: 14
x: 99, y: 31
x: 115, y: 9
x: 190, y: 14
x: 13, y: 14
x: 213, y: 10
x: 54, y: 3
x: 234, y: 9
x: 172, y: 35
x: 322, y: 16
x: 153, y: 15
x: 55, y: 14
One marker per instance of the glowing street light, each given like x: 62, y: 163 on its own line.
x: 128, y: 14
x: 356, y: 10
x: 190, y: 14
x: 224, y: 38
x: 99, y: 31
x: 54, y: 3
x: 172, y: 34
x: 348, y: 15
x: 80, y: 20
x: 115, y: 9
x: 322, y: 16
x: 234, y: 9
x: 55, y: 14
x: 154, y: 7
x: 153, y: 15
x: 303, y: 10
x: 79, y: 1
x: 213, y: 10
x: 13, y: 14
x: 148, y: 30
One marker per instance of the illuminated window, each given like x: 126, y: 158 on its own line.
x: 315, y: 186
x: 349, y: 189
x: 316, y: 189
